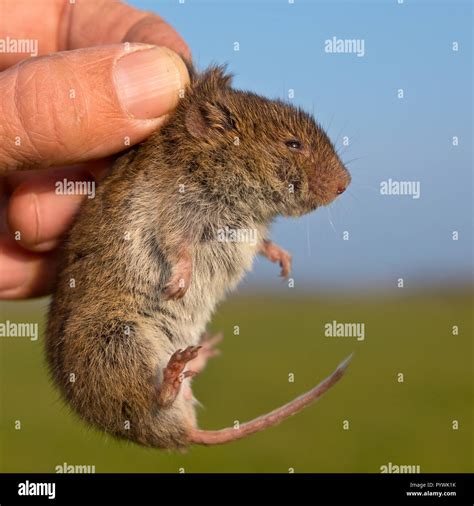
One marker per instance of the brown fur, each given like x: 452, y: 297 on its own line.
x: 220, y: 160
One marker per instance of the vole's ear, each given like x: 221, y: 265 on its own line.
x: 207, y: 119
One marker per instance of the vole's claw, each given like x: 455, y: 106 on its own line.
x: 207, y: 351
x: 186, y: 374
x: 285, y: 265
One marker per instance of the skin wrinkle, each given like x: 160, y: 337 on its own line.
x: 55, y: 115
x: 4, y: 147
x: 80, y: 92
x: 55, y: 119
x: 81, y: 107
x: 33, y: 137
x: 35, y: 202
x: 19, y: 115
x: 81, y: 116
x: 93, y: 63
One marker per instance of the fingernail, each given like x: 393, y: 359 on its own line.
x: 148, y: 81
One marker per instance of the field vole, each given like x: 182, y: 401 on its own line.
x: 146, y: 261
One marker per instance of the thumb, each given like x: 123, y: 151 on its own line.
x: 85, y: 104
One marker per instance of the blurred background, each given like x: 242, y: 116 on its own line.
x: 348, y: 259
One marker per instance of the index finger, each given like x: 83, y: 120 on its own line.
x: 37, y: 28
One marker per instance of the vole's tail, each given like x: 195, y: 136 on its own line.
x: 212, y: 437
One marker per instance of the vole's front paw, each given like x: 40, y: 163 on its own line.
x: 276, y: 254
x: 174, y: 374
x: 176, y: 288
x: 180, y: 278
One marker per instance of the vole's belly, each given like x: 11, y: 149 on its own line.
x: 217, y: 269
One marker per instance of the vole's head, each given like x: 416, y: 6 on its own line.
x: 266, y: 152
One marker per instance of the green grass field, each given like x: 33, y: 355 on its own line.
x: 407, y: 423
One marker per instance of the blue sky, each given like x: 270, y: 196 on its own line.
x: 406, y: 46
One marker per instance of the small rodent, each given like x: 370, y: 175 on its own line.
x: 143, y: 265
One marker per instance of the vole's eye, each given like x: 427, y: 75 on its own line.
x: 293, y: 144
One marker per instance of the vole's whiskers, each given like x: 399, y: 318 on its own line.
x: 354, y: 160
x: 330, y: 220
x: 360, y: 185
x: 308, y: 240
x: 330, y: 123
x: 339, y: 135
x: 352, y: 194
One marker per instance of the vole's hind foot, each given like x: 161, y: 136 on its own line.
x: 174, y: 374
x: 276, y: 254
x: 208, y: 350
x: 209, y: 342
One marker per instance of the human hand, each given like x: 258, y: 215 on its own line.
x: 82, y: 102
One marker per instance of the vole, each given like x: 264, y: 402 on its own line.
x: 145, y: 262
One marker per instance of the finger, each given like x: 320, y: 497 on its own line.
x: 85, y: 104
x: 58, y: 25
x: 24, y: 274
x: 107, y: 22
x: 95, y: 168
x: 42, y: 208
x: 35, y: 23
x: 3, y: 206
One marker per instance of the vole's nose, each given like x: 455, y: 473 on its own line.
x: 344, y: 180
